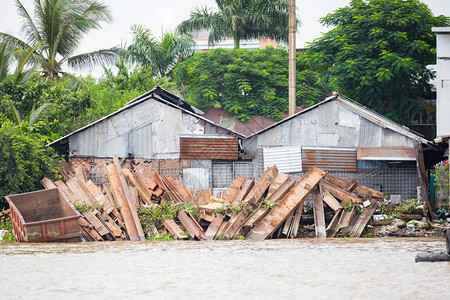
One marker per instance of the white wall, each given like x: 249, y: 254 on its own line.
x: 443, y: 80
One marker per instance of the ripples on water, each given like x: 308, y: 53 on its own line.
x: 273, y: 269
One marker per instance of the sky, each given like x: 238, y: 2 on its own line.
x: 162, y: 15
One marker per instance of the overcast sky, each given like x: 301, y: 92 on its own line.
x: 161, y: 15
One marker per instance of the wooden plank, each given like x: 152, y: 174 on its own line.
x: 129, y: 199
x: 295, y: 198
x: 143, y: 171
x: 253, y: 199
x: 319, y: 214
x: 287, y: 224
x: 89, y: 229
x: 345, y: 218
x: 191, y: 227
x: 256, y: 217
x: 341, y: 194
x: 174, y: 229
x: 354, y: 187
x: 92, y: 219
x: 364, y: 218
x: 334, y: 227
x: 331, y: 201
x: 83, y: 197
x: 119, y: 195
x: 143, y: 191
x: 245, y: 188
x: 80, y: 174
x: 296, y: 222
x: 47, y: 183
x: 213, y: 227
x: 424, y: 184
x: 277, y: 182
x: 234, y: 188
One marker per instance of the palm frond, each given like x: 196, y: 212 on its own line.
x: 15, y: 113
x: 95, y: 58
x: 5, y: 59
x: 28, y: 27
x: 35, y: 114
x: 24, y: 58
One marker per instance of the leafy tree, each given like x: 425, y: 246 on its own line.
x: 246, y: 82
x: 24, y: 161
x: 161, y: 55
x: 377, y: 54
x: 55, y: 33
x: 241, y: 20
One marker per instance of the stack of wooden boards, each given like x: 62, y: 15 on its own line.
x: 116, y: 215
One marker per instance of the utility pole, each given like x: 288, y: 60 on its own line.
x: 292, y: 57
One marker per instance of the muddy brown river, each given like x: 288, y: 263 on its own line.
x: 273, y: 269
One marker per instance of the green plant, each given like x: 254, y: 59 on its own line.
x: 164, y: 237
x: 267, y: 204
x: 409, y: 207
x: 227, y: 208
x: 6, y: 224
x: 442, y: 178
x: 86, y: 207
x: 348, y: 206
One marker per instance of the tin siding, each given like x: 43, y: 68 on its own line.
x: 209, y: 148
x: 335, y: 159
x: 288, y: 159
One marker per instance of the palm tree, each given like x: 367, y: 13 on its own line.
x: 241, y: 20
x: 54, y: 34
x: 161, y: 55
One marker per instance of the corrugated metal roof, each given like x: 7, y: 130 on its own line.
x: 288, y: 159
x: 360, y: 110
x: 385, y: 153
x: 157, y: 94
x: 208, y: 148
x: 329, y: 158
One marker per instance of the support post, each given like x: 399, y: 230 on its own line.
x: 292, y: 57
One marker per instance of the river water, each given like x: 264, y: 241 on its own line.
x: 272, y: 269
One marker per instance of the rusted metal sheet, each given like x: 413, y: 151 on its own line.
x: 174, y: 229
x: 329, y: 158
x: 208, y: 147
x: 385, y: 153
x: 295, y: 198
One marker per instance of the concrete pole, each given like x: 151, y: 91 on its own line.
x: 292, y: 57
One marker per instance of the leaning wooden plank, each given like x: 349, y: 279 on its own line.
x: 89, y: 229
x: 319, y: 214
x: 234, y: 188
x: 331, y: 201
x: 294, y: 199
x: 345, y: 231
x: 129, y: 199
x: 287, y: 224
x: 74, y: 198
x: 245, y: 188
x: 345, y: 218
x: 120, y: 197
x: 144, y: 172
x: 296, y: 222
x: 47, y: 183
x: 80, y: 174
x: 174, y: 229
x: 277, y: 182
x: 101, y: 229
x: 354, y: 187
x: 75, y: 187
x: 213, y: 227
x: 253, y: 199
x: 341, y: 194
x: 333, y: 227
x: 364, y: 218
x: 144, y: 193
x: 191, y: 228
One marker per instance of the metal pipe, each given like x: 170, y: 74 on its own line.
x: 292, y: 57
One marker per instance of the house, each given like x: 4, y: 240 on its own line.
x: 164, y: 131
x: 344, y: 138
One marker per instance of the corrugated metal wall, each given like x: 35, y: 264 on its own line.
x: 338, y: 159
x: 288, y: 159
x: 209, y: 147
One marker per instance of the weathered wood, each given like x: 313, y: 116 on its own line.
x: 128, y: 199
x: 89, y: 229
x: 119, y: 195
x: 319, y: 214
x: 331, y: 201
x: 340, y: 193
x: 99, y: 227
x: 174, y: 229
x: 234, y: 188
x: 345, y: 218
x: 81, y: 174
x: 192, y: 228
x: 245, y: 188
x: 276, y: 183
x: 255, y: 218
x: 213, y: 227
x: 83, y: 196
x: 253, y: 199
x: 287, y: 224
x: 354, y: 187
x: 364, y: 218
x: 143, y: 191
x: 47, y: 183
x: 295, y: 198
x: 296, y: 222
x: 424, y: 184
x: 334, y: 227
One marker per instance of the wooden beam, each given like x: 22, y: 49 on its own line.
x: 319, y: 215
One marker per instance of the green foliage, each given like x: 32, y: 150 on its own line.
x: 268, y: 205
x: 348, y: 206
x: 227, y: 208
x: 161, y: 55
x: 189, y: 208
x: 156, y: 214
x: 245, y: 82
x: 377, y: 54
x: 6, y: 224
x: 55, y: 32
x: 442, y: 178
x: 409, y: 207
x: 86, y: 207
x: 164, y: 237
x: 241, y: 20
x: 24, y: 161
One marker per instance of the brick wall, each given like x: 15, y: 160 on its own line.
x: 96, y: 167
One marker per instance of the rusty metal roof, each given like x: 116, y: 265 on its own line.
x: 229, y: 120
x: 329, y: 158
x: 208, y: 146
